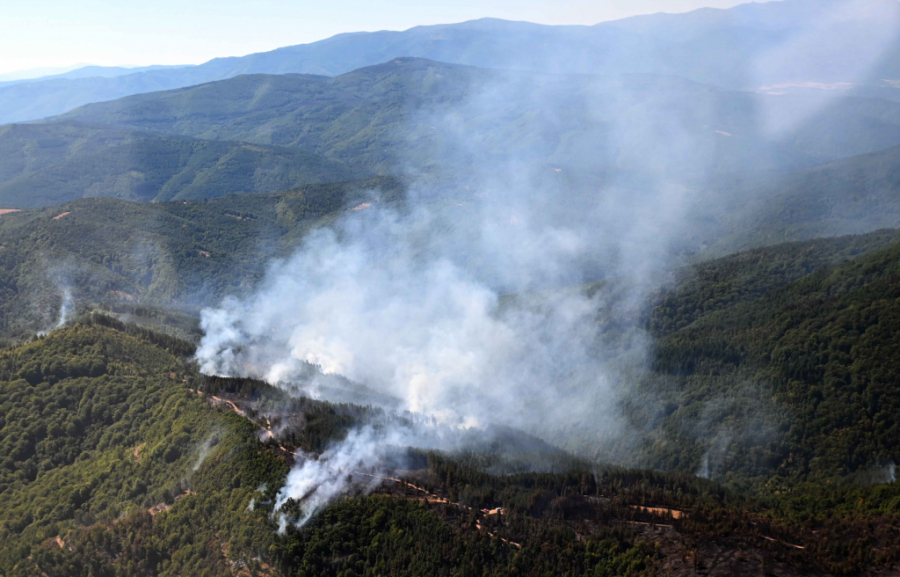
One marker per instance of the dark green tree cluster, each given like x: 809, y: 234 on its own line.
x: 797, y: 379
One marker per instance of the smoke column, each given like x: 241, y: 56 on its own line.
x: 430, y: 318
x: 66, y: 307
x: 468, y: 302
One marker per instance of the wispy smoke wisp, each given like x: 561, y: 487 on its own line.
x: 313, y: 483
x: 65, y: 307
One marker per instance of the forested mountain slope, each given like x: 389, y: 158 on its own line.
x: 47, y: 164
x: 121, y: 460
x: 180, y: 254
x: 100, y: 436
x: 758, y: 379
x: 410, y: 113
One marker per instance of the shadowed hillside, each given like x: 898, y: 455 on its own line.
x: 181, y: 254
x: 413, y: 113
x: 46, y: 164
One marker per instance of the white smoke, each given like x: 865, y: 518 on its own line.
x: 715, y: 454
x: 468, y: 302
x: 383, y: 302
x: 368, y: 302
x: 65, y: 307
x: 316, y: 482
x: 358, y: 464
x: 703, y: 471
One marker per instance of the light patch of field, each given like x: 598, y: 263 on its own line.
x: 59, y: 216
x: 675, y: 513
x: 122, y: 295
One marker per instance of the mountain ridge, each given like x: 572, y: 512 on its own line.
x: 605, y: 48
x: 47, y: 164
x: 384, y: 115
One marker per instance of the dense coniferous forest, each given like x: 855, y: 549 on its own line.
x: 117, y: 466
x: 489, y: 298
x: 107, y: 446
x: 47, y: 164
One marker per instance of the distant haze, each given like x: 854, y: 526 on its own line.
x: 55, y: 33
x: 38, y: 72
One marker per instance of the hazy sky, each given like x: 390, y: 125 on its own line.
x: 42, y: 33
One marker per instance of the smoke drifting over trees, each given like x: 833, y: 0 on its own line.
x: 466, y: 302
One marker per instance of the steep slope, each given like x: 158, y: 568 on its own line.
x: 99, y: 435
x: 177, y: 253
x: 849, y: 196
x: 121, y: 460
x: 413, y: 113
x: 787, y: 382
x: 720, y: 47
x: 55, y: 163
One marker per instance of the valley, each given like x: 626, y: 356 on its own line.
x: 484, y: 298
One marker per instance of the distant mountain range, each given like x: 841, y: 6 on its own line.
x: 74, y: 72
x: 787, y: 45
x: 263, y: 133
x: 376, y: 113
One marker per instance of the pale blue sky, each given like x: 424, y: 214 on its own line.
x: 42, y: 33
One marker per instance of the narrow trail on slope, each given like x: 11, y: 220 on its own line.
x: 427, y: 498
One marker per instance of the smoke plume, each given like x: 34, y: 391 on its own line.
x: 65, y: 306
x: 507, y: 288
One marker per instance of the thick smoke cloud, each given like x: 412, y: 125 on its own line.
x: 370, y: 303
x: 470, y: 313
x: 468, y: 302
x: 467, y: 308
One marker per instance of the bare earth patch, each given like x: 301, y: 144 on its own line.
x: 675, y: 513
x: 59, y: 216
x: 163, y: 507
x: 137, y: 452
x: 8, y: 210
x: 122, y: 295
